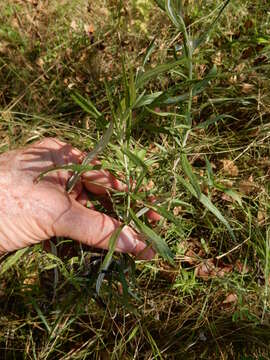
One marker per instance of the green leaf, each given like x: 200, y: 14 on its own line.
x: 161, y: 4
x: 147, y: 99
x: 90, y: 156
x: 191, y: 176
x: 157, y: 242
x: 197, y: 87
x: 234, y: 195
x: 158, y: 70
x: 108, y: 258
x: 40, y: 314
x: 174, y: 11
x: 205, y: 124
x: 135, y: 159
x: 110, y: 99
x: 205, y: 35
x: 161, y: 210
x: 11, y: 260
x: 210, y: 173
x: 209, y: 205
x: 149, y: 52
x: 133, y: 333
x: 165, y: 114
x: 200, y: 85
x: 86, y: 105
x: 73, y: 167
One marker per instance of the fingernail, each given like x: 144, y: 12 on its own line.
x: 146, y: 254
x: 130, y: 242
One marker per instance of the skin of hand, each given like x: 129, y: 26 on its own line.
x: 32, y: 211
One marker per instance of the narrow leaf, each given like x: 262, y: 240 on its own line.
x: 147, y: 99
x: 161, y: 4
x: 205, y: 35
x: 205, y: 124
x: 73, y: 167
x: 191, y: 176
x: 86, y: 105
x: 135, y: 159
x: 174, y: 10
x: 158, y: 70
x: 149, y: 52
x: 12, y: 260
x: 209, y: 205
x: 157, y: 242
x: 90, y: 156
x: 108, y: 258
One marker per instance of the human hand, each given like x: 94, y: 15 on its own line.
x: 33, y: 211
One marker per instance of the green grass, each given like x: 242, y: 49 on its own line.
x: 174, y: 145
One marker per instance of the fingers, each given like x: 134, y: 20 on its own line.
x: 100, y: 181
x: 84, y: 200
x: 94, y: 229
x: 152, y: 215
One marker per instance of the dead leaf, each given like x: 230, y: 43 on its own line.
x: 191, y: 257
x: 229, y: 167
x: 247, y: 88
x: 248, y: 24
x: 168, y: 272
x: 217, y: 58
x: 233, y: 79
x: 74, y: 25
x: 227, y: 198
x: 205, y: 270
x: 241, y: 268
x: 208, y: 270
x: 247, y: 186
x: 261, y: 217
x: 40, y: 62
x: 240, y: 67
x: 222, y: 271
x: 177, y: 210
x: 265, y: 162
x: 230, y: 299
x: 201, y: 70
x: 89, y: 29
x: 150, y: 185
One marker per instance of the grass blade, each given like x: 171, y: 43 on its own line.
x: 149, y: 52
x: 157, y: 242
x: 205, y: 35
x: 174, y: 11
x: 192, y: 178
x: 147, y: 99
x: 209, y: 205
x: 11, y: 260
x: 108, y: 258
x: 135, y: 159
x: 90, y: 156
x: 160, y: 4
x: 86, y: 105
x: 73, y: 167
x: 158, y: 70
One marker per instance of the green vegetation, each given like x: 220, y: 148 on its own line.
x: 187, y: 89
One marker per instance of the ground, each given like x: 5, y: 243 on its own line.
x: 195, y: 137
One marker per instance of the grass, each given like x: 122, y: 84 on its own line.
x: 211, y: 146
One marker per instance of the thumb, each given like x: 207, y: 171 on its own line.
x: 95, y: 229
